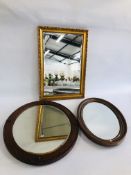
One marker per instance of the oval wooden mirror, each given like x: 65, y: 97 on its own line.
x: 101, y: 121
x: 40, y: 132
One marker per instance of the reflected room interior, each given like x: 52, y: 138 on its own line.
x: 62, y: 63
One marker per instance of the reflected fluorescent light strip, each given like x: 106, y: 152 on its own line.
x: 60, y: 38
x: 46, y: 52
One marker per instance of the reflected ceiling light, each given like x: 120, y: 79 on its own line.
x: 60, y: 38
x: 46, y: 52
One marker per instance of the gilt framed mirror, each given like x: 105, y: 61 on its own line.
x: 62, y: 62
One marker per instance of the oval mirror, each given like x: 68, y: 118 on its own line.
x: 101, y: 121
x: 40, y: 133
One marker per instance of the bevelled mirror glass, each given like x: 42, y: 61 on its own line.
x: 39, y: 133
x: 101, y: 121
x: 62, y: 58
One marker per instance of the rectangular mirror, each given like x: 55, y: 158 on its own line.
x: 62, y: 61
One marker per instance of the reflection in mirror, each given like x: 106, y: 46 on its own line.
x: 52, y: 124
x: 58, y: 131
x: 101, y: 121
x: 62, y: 62
x: 55, y: 126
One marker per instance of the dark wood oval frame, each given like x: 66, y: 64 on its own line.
x: 122, y: 122
x: 39, y: 159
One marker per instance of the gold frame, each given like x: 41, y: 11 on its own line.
x: 39, y: 138
x: 41, y: 61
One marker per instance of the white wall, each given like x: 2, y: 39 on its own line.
x: 108, y: 74
x: 55, y: 67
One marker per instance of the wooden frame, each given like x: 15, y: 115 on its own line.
x: 90, y: 135
x: 83, y: 49
x: 34, y: 158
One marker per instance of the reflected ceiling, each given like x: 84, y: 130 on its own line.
x: 63, y: 48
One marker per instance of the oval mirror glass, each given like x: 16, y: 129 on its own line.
x: 53, y: 130
x: 101, y: 121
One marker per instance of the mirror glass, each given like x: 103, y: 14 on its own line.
x: 54, y: 129
x: 62, y: 61
x: 101, y: 121
x: 52, y: 124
